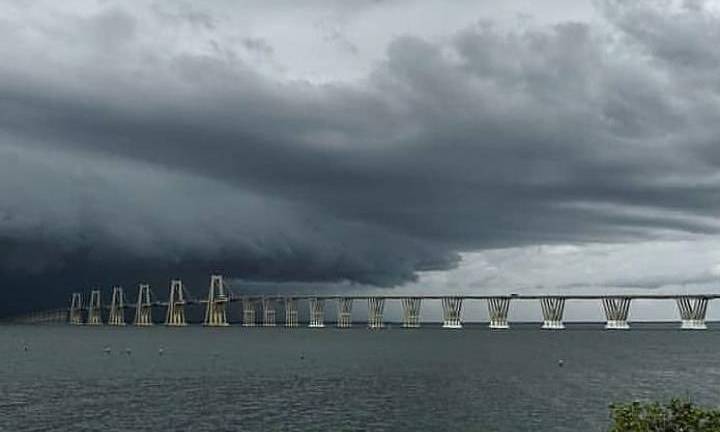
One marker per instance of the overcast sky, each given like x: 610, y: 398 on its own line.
x: 424, y: 147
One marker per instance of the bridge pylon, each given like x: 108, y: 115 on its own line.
x: 216, y: 309
x: 94, y: 309
x: 75, y: 315
x: 291, y: 312
x: 692, y: 312
x: 552, y: 310
x: 344, y: 312
x: 117, y: 307
x: 498, y: 310
x: 143, y: 308
x: 175, y: 315
x: 616, y: 312
x: 411, y: 312
x: 376, y: 308
x: 249, y: 312
x: 268, y: 312
x: 317, y: 312
x: 452, y: 312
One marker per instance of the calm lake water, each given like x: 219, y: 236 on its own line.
x: 268, y: 379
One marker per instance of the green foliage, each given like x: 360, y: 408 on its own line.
x: 677, y: 416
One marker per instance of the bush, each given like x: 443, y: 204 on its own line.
x: 677, y: 416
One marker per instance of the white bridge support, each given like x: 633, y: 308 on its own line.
x: 552, y: 310
x: 344, y: 317
x: 175, y: 316
x: 143, y: 309
x: 249, y: 312
x: 291, y: 312
x: 117, y: 308
x: 616, y: 311
x: 317, y: 312
x: 75, y: 315
x: 452, y: 310
x: 376, y: 307
x: 692, y: 312
x: 216, y: 308
x: 94, y: 309
x: 498, y: 310
x: 268, y: 312
x: 411, y: 312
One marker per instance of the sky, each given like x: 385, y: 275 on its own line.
x: 424, y: 147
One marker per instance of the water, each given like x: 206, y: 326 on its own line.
x: 276, y: 379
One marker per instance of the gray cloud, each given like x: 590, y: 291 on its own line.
x: 128, y: 157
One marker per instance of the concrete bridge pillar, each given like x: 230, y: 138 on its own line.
x: 376, y: 307
x: 75, y: 315
x: 291, y: 312
x: 344, y: 318
x: 175, y: 316
x: 616, y: 312
x: 552, y: 310
x: 143, y: 309
x: 692, y: 312
x: 249, y: 312
x: 94, y: 309
x: 216, y: 308
x: 317, y: 312
x: 452, y: 309
x: 498, y: 310
x: 411, y: 312
x: 268, y: 312
x: 117, y: 307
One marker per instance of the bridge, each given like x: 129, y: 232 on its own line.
x: 692, y: 308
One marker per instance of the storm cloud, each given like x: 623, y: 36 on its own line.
x: 147, y: 141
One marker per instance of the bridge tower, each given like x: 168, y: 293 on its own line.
x: 452, y: 311
x: 344, y: 317
x: 94, y: 309
x: 175, y: 316
x: 216, y: 310
x: 76, y: 309
x: 616, y: 312
x: 117, y: 307
x: 376, y: 307
x: 411, y: 312
x: 249, y: 312
x: 498, y: 310
x: 317, y: 312
x: 268, y: 312
x: 143, y: 308
x: 692, y: 312
x: 291, y: 312
x: 552, y: 310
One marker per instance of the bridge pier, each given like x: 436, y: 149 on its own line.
x: 175, y: 316
x: 291, y: 312
x: 452, y: 309
x: 344, y: 318
x: 552, y: 310
x: 94, y: 309
x: 143, y: 309
x: 411, y: 312
x: 268, y: 312
x: 216, y: 309
x: 117, y: 308
x: 249, y: 312
x: 376, y: 307
x: 317, y: 312
x: 616, y: 312
x: 692, y: 312
x: 75, y: 315
x: 498, y: 310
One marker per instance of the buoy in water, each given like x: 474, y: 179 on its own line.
x: 560, y: 363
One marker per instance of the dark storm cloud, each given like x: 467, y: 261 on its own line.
x: 123, y: 161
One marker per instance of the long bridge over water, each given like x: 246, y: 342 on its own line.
x: 692, y: 308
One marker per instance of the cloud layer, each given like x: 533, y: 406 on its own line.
x: 139, y: 142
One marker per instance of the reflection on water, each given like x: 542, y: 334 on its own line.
x: 235, y: 378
